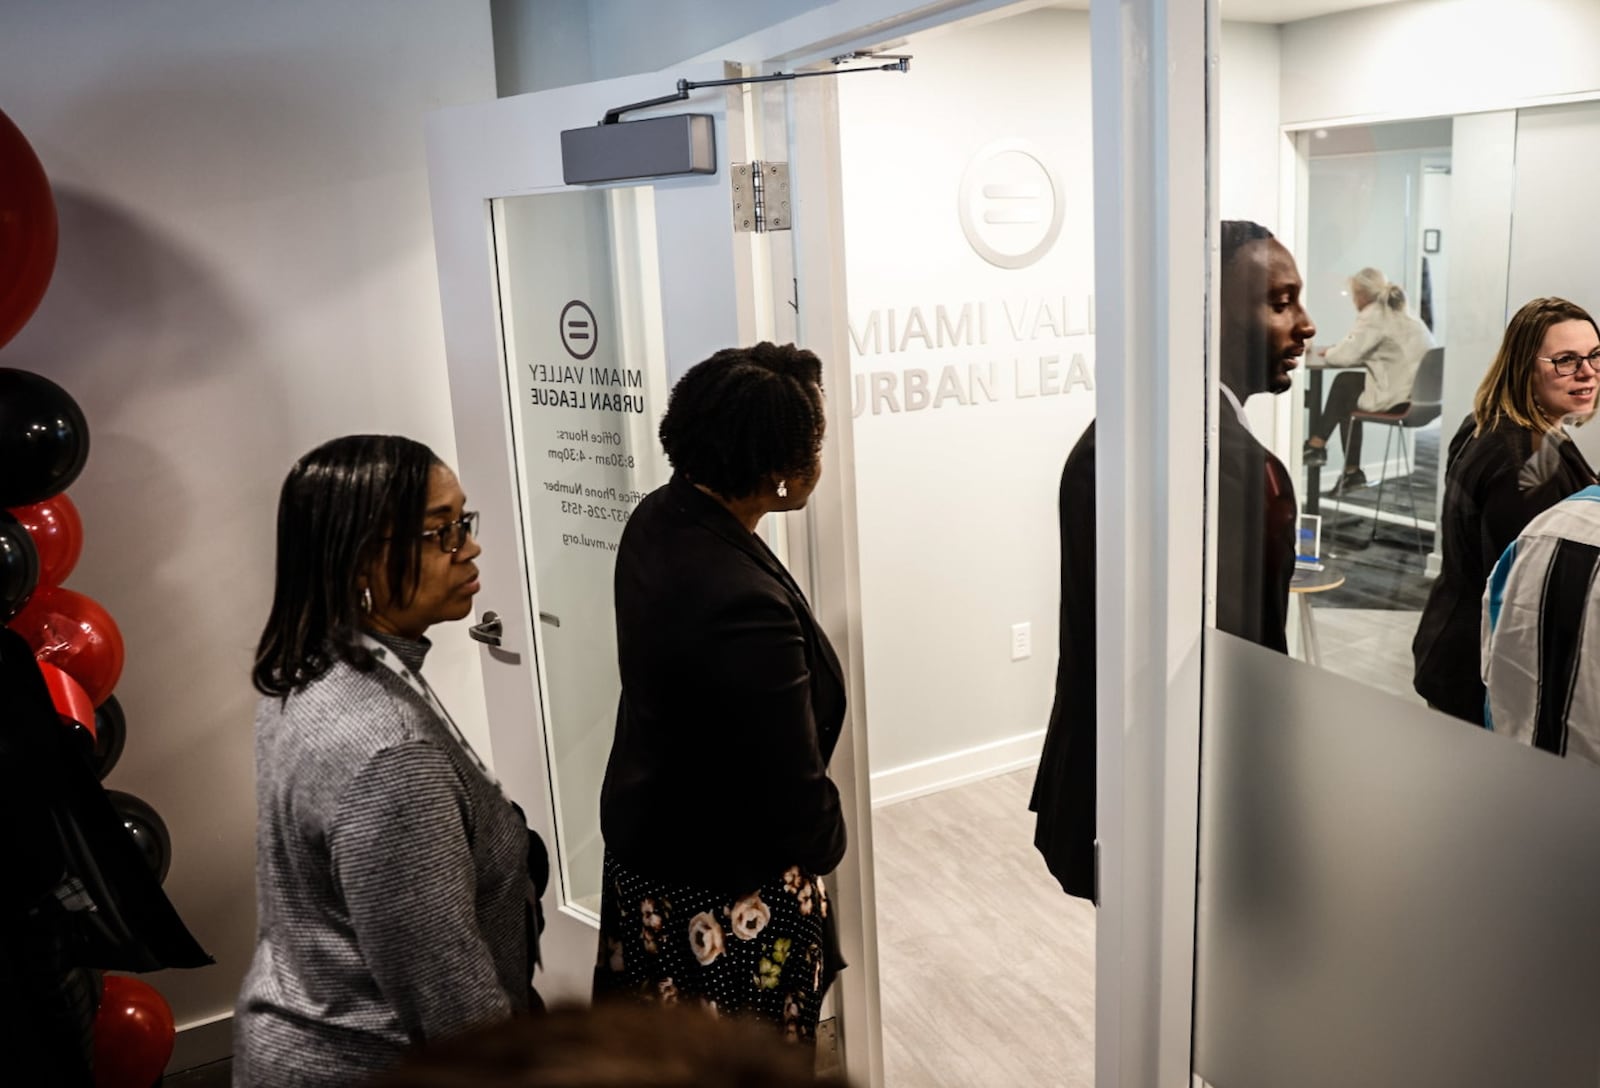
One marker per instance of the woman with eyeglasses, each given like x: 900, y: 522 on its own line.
x: 392, y: 874
x: 1512, y: 459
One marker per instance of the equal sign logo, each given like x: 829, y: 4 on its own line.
x: 579, y: 333
x: 1011, y: 204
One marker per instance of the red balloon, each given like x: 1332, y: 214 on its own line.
x: 57, y: 533
x: 27, y: 230
x: 71, y: 701
x: 73, y: 633
x: 133, y: 1034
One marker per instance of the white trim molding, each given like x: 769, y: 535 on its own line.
x: 954, y: 769
x: 202, y: 1042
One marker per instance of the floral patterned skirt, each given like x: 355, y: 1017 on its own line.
x: 769, y: 954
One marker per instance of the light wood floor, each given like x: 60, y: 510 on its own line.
x: 1370, y: 645
x: 986, y: 966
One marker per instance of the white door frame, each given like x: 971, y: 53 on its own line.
x: 1154, y: 263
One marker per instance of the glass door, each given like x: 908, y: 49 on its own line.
x: 587, y: 372
x: 568, y: 313
x: 1399, y: 812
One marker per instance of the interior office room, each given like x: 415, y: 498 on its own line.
x: 280, y: 223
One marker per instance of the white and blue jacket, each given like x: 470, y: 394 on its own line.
x: 1541, y: 615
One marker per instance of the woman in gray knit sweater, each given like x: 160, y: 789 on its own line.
x: 391, y: 871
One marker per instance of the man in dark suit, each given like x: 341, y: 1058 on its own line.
x: 1264, y: 331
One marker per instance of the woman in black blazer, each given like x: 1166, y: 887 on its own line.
x: 718, y: 815
x: 1511, y: 460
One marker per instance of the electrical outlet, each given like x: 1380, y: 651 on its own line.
x: 1021, y: 641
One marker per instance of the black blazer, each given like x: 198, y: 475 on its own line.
x: 1064, y: 788
x: 1256, y: 515
x: 732, y: 703
x: 1255, y: 560
x: 1487, y: 503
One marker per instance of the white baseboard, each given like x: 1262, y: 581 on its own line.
x: 202, y: 1042
x: 956, y: 769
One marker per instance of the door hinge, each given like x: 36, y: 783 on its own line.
x: 1097, y: 872
x: 760, y: 196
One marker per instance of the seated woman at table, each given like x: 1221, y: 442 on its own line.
x: 1512, y: 459
x: 1387, y: 343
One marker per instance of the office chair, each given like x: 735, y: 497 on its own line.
x: 1427, y: 394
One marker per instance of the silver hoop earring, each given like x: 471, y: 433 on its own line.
x: 366, y: 599
x: 783, y: 489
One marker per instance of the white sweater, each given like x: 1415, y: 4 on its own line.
x: 1390, y: 344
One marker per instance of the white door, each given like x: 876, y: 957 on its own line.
x: 569, y: 311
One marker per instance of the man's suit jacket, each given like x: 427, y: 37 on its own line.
x: 1255, y: 560
x: 732, y: 703
x: 1256, y: 514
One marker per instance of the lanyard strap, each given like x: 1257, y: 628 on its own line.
x: 422, y: 690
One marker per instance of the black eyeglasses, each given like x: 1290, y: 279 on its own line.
x: 1566, y: 364
x: 453, y: 537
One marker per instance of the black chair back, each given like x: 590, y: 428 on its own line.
x: 1427, y: 391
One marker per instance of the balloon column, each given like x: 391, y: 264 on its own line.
x: 44, y: 442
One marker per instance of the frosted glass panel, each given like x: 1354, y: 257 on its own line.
x: 1387, y: 896
x: 586, y: 378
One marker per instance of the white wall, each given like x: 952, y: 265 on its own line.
x: 1248, y: 163
x: 957, y: 501
x: 542, y: 44
x: 1438, y: 58
x: 1247, y: 71
x: 1554, y: 245
x: 246, y: 270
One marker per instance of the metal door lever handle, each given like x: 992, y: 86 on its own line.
x: 488, y: 631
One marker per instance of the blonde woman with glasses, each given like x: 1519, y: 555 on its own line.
x: 1512, y: 459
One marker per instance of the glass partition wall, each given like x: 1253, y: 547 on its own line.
x: 1398, y: 867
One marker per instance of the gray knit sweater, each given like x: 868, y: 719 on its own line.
x: 390, y: 882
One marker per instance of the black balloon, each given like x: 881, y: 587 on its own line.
x: 19, y: 565
x: 44, y: 439
x: 110, y: 733
x: 147, y: 829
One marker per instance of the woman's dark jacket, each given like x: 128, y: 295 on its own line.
x: 1494, y: 485
x: 732, y: 702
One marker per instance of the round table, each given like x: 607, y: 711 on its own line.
x: 1306, y: 582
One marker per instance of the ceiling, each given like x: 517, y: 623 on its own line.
x: 1288, y: 11
x: 1265, y: 11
